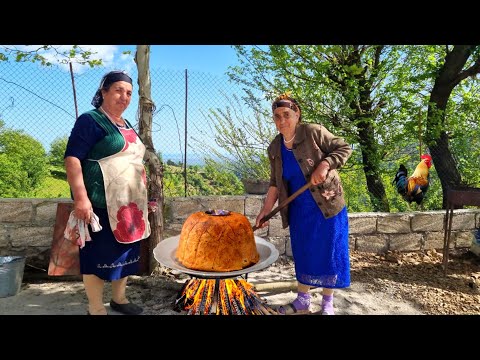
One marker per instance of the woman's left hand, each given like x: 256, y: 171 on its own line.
x: 152, y: 205
x: 320, y: 173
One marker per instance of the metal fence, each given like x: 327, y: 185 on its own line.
x: 39, y: 101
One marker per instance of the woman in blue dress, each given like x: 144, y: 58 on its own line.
x: 317, y: 218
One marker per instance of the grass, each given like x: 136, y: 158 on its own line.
x: 53, y: 188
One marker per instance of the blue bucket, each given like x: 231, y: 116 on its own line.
x: 11, y: 275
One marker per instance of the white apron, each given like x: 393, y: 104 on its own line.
x: 125, y: 183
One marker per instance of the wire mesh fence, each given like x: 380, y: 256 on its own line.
x: 39, y: 102
x: 190, y: 109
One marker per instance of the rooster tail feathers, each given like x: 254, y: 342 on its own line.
x: 400, y: 180
x: 401, y: 173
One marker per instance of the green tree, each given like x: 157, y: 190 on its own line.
x: 23, y: 163
x: 341, y: 86
x: 440, y: 83
x: 57, y: 151
x: 57, y: 167
x: 458, y: 63
x: 375, y: 96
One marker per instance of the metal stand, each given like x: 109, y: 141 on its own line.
x: 456, y: 197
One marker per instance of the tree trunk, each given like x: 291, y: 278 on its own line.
x: 442, y: 157
x: 366, y: 136
x: 370, y: 152
x: 153, y: 163
x: 448, y: 77
x: 363, y: 116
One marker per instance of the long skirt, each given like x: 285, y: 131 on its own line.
x: 319, y: 245
x: 104, y: 256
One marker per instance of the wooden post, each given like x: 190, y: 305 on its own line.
x: 152, y: 162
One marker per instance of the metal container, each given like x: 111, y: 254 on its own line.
x: 11, y: 275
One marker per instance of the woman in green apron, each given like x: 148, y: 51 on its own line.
x: 104, y: 165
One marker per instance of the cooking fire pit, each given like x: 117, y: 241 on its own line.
x: 218, y: 293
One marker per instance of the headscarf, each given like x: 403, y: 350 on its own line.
x: 284, y: 100
x: 107, y: 80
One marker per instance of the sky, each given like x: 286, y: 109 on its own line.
x: 213, y: 59
x: 41, y: 104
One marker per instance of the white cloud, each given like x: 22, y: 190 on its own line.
x: 111, y: 56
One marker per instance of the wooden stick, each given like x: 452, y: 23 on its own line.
x: 277, y: 285
x: 283, y: 204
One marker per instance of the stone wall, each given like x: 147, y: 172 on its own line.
x: 26, y: 226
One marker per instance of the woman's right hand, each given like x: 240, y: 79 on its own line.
x: 83, y: 209
x: 260, y: 216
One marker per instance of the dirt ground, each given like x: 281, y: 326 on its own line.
x: 391, y: 284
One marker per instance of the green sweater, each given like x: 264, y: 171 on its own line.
x: 111, y: 144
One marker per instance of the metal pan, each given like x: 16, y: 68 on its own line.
x: 165, y: 251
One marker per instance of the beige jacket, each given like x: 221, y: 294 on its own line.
x: 313, y: 143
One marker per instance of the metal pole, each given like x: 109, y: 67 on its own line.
x: 74, y: 91
x: 420, y: 131
x: 185, y: 148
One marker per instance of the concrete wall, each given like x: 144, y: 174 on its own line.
x: 26, y: 226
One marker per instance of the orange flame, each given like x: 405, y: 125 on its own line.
x: 221, y: 297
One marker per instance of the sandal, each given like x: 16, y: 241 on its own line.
x: 126, y: 309
x: 290, y: 309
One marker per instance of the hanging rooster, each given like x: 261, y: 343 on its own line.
x: 413, y: 188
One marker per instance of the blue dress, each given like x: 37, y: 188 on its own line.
x: 319, y: 245
x: 104, y: 256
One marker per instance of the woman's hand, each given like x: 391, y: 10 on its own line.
x: 260, y: 216
x: 271, y: 198
x: 152, y: 205
x: 320, y: 173
x: 83, y: 210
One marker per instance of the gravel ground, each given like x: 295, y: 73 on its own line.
x: 409, y: 283
x: 418, y: 277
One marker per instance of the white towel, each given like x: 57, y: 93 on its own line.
x: 77, y: 230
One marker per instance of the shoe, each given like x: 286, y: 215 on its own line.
x: 126, y: 309
x: 290, y: 309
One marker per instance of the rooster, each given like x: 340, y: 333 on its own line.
x: 413, y: 188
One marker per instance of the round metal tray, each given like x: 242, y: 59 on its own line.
x: 165, y: 251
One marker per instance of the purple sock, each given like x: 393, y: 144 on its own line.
x: 327, y: 305
x: 302, y: 302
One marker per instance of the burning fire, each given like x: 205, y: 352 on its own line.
x: 220, y: 297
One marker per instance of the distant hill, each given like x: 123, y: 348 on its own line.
x: 192, y: 159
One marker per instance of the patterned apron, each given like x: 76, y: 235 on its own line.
x: 125, y: 183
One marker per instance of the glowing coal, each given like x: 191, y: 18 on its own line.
x: 220, y: 297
